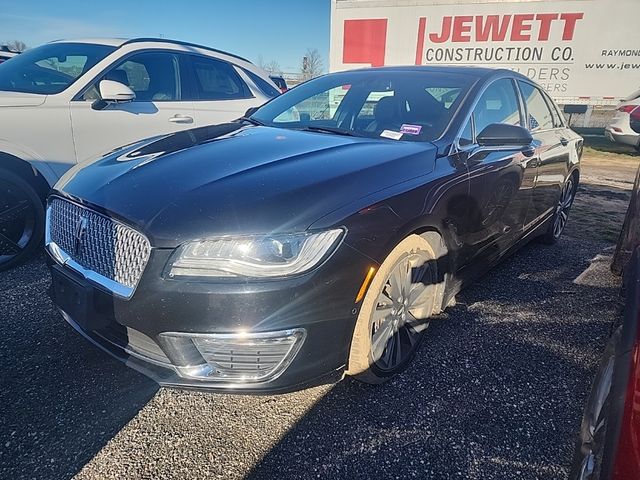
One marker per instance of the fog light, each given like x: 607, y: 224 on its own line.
x: 239, y: 357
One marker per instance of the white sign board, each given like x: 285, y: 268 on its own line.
x: 578, y: 50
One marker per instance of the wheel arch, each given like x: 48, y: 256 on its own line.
x: 27, y: 171
x: 430, y: 230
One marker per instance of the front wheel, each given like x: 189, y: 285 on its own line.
x: 394, y: 315
x: 21, y: 219
x: 561, y: 214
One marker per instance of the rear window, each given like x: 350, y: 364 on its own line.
x: 445, y: 95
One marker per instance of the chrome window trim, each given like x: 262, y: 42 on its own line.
x: 63, y: 258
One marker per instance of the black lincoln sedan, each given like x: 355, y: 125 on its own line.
x: 316, y: 236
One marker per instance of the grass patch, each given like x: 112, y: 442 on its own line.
x: 600, y: 144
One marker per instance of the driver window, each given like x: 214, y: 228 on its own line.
x: 153, y: 76
x: 498, y: 104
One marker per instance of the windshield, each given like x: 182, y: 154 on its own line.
x: 399, y: 105
x: 51, y: 68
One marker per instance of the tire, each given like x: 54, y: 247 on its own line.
x: 21, y: 219
x: 560, y: 216
x: 384, y: 344
x: 592, y: 443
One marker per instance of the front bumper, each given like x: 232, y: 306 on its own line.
x: 321, y: 304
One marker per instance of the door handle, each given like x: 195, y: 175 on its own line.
x: 181, y: 119
x: 564, y: 141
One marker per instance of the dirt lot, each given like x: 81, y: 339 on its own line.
x: 496, y: 390
x: 605, y: 181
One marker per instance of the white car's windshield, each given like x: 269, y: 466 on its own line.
x: 51, y: 68
x: 402, y: 105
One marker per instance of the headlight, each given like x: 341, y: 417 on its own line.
x: 254, y: 256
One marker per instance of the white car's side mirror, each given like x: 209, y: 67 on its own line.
x: 115, y: 92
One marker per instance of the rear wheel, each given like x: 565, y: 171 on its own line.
x: 561, y: 214
x: 21, y: 219
x: 394, y: 314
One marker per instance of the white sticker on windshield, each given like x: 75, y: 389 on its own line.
x: 391, y: 134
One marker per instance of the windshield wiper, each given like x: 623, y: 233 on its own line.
x: 335, y: 130
x: 252, y: 121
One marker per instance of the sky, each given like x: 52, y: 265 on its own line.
x: 279, y: 30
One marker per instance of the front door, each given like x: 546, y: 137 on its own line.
x: 157, y: 109
x: 500, y: 180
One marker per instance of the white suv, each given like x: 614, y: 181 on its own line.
x: 64, y: 102
x: 6, y: 54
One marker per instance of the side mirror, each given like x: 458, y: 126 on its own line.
x: 570, y: 109
x: 503, y: 134
x: 115, y: 92
x: 112, y: 92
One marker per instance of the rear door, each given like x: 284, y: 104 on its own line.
x: 218, y: 91
x: 553, y: 151
x: 159, y: 106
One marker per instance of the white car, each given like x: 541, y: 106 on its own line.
x: 620, y: 130
x: 64, y: 102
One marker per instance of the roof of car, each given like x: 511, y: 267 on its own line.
x: 475, y: 71
x: 113, y: 42
x: 484, y: 73
x: 119, y: 42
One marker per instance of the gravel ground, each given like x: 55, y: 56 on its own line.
x: 496, y: 392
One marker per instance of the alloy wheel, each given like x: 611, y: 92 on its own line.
x: 398, y: 319
x: 563, y: 207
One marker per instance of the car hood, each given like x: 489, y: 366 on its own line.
x: 17, y: 99
x: 230, y: 179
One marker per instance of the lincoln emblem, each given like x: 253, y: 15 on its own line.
x: 81, y: 228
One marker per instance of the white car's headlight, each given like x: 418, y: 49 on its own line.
x: 264, y: 256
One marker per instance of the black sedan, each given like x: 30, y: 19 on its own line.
x: 315, y: 237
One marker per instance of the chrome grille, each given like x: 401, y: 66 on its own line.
x: 98, y: 243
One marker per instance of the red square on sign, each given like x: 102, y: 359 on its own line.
x: 365, y: 41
